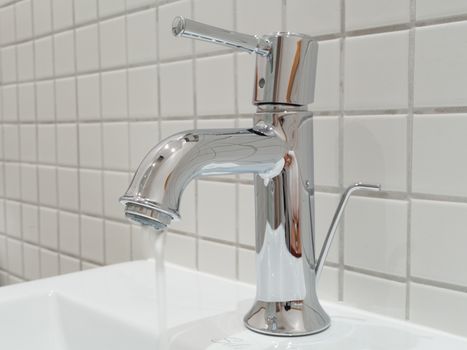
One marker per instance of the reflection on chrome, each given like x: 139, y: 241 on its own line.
x: 278, y: 149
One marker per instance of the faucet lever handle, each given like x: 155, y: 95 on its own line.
x: 188, y: 28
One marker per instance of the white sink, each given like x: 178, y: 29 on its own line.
x: 114, y: 307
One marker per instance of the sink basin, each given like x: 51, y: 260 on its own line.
x: 52, y: 321
x: 115, y: 307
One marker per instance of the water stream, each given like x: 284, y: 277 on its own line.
x: 158, y: 237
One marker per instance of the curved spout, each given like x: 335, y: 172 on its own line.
x: 336, y: 220
x: 153, y: 196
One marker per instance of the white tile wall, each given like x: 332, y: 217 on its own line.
x: 376, y: 71
x: 438, y: 230
x: 440, y: 73
x: 88, y: 86
x: 361, y: 14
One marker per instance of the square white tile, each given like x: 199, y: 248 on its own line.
x: 7, y: 24
x: 176, y: 95
x: 438, y: 241
x: 23, y: 20
x: 248, y: 20
x: 8, y: 56
x: 115, y: 146
x: 44, y: 58
x: 375, y: 151
x: 85, y: 11
x: 114, y: 95
x: 117, y: 242
x: 428, y: 9
x: 142, y: 92
x: 439, y: 308
x: 48, y: 233
x: 62, y: 11
x: 25, y: 61
x: 141, y: 33
x: 49, y: 263
x: 180, y: 250
x: 9, y: 103
x: 68, y: 264
x: 91, y: 201
x: 440, y: 73
x: 68, y: 193
x: 26, y: 102
x: 361, y: 14
x: 215, y: 96
x: 69, y: 233
x: 216, y: 221
x: 30, y: 225
x: 12, y: 181
x: 325, y: 207
x: 326, y: 150
x: 11, y: 138
x: 313, y: 17
x: 65, y: 93
x: 90, y: 145
x: 46, y: 143
x: 376, y: 235
x: 89, y: 97
x: 439, y: 150
x: 376, y: 71
x: 247, y: 265
x: 64, y: 53
x: 246, y: 215
x: 328, y: 286
x: 13, y: 219
x: 87, y: 48
x: 375, y: 294
x: 29, y: 191
x: 31, y: 261
x: 67, y: 144
x: 92, y: 238
x: 45, y: 97
x: 210, y: 253
x: 327, y: 77
x: 47, y: 185
x: 112, y: 42
x: 15, y: 256
x: 110, y: 7
x: 42, y: 15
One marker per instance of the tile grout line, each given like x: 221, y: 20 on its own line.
x: 237, y: 177
x: 77, y: 133
x: 193, y: 58
x: 127, y: 122
x: 36, y: 144
x: 3, y: 180
x: 411, y: 91
x: 56, y: 117
x: 18, y: 116
x: 340, y: 293
x: 101, y: 122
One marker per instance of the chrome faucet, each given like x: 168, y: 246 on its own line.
x: 278, y: 149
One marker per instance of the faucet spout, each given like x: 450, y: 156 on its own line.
x: 153, y: 197
x: 336, y: 220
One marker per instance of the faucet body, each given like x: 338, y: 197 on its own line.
x: 278, y: 149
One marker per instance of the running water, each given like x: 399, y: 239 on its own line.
x: 158, y: 237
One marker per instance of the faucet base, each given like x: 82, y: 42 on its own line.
x: 287, y: 319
